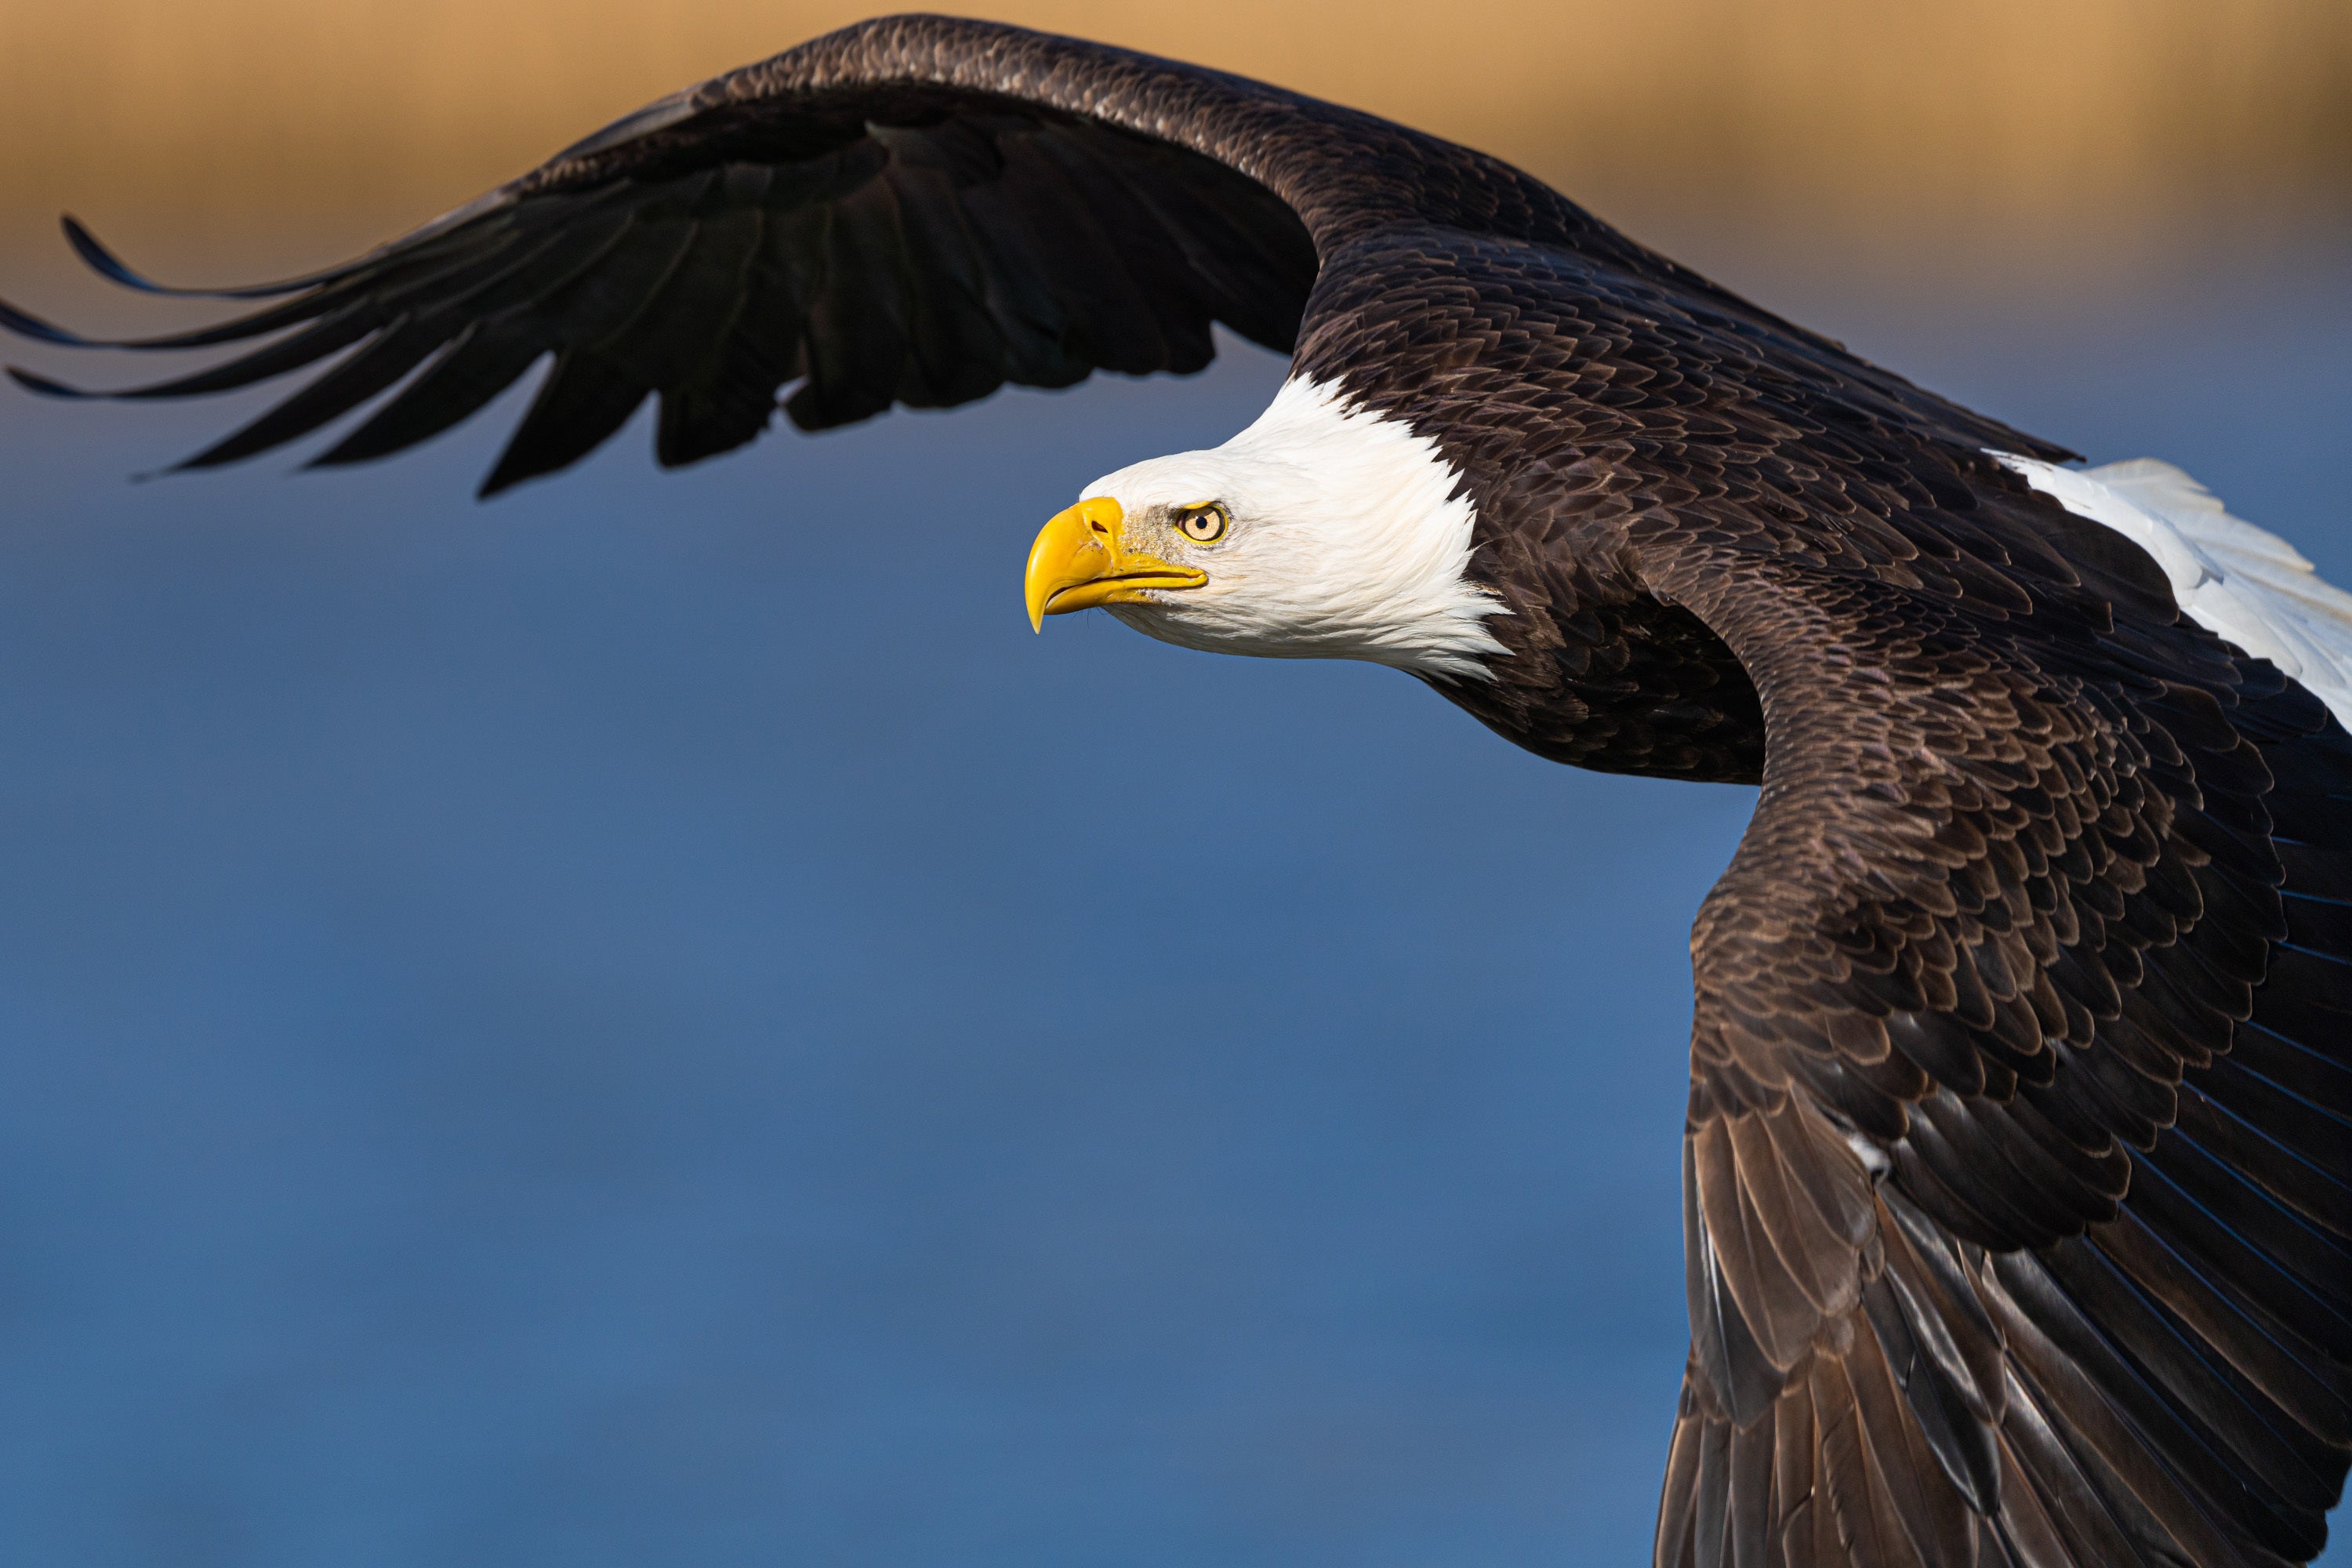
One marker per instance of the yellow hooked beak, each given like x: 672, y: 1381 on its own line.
x: 1080, y: 561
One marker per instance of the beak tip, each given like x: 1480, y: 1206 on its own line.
x: 1077, y: 547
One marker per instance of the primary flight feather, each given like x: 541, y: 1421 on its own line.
x: 2017, y: 1181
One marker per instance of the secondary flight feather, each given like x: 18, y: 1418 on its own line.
x: 2018, y: 1188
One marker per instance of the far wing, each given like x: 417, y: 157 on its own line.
x: 913, y: 211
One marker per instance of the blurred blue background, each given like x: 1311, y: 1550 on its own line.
x: 655, y: 1022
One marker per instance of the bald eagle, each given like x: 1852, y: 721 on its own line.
x: 2018, y: 1160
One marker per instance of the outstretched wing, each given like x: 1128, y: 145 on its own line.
x: 2018, y: 1160
x: 914, y: 211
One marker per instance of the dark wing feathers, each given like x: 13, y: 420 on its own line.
x: 482, y: 361
x: 873, y: 239
x: 915, y: 210
x: 2055, y: 981
x: 585, y: 398
x: 395, y: 350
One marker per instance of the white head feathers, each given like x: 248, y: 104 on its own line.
x: 1347, y: 540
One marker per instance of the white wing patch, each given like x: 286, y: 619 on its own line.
x: 2245, y: 583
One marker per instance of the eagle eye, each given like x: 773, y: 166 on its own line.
x: 1204, y: 523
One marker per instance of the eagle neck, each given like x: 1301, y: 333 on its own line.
x: 1594, y: 668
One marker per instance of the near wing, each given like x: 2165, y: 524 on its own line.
x: 2018, y: 1162
x: 915, y: 211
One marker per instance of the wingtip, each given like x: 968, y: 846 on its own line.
x: 25, y: 324
x: 94, y: 256
x: 102, y: 261
x: 505, y: 476
x: 41, y: 385
x: 336, y: 456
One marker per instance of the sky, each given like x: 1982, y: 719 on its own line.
x: 655, y: 1021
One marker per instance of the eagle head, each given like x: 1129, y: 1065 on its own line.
x: 1323, y: 531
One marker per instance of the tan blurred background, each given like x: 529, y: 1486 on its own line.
x: 189, y: 124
